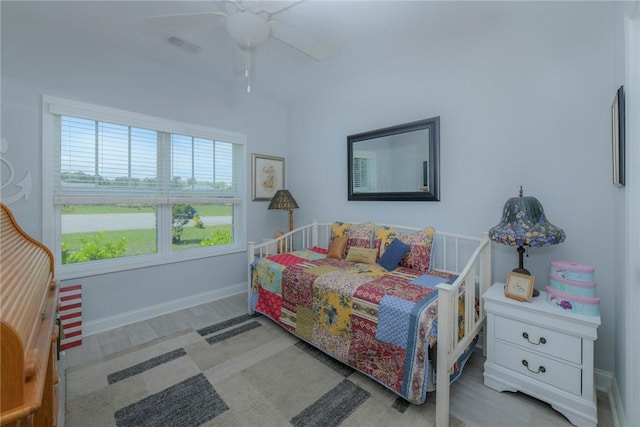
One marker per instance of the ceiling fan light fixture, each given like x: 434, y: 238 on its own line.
x: 249, y: 25
x: 247, y: 29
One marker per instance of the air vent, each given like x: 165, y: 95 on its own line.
x: 184, y: 45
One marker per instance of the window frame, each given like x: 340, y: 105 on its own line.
x: 51, y: 212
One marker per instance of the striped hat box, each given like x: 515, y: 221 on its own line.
x: 71, y: 316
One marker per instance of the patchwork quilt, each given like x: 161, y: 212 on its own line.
x: 382, y: 323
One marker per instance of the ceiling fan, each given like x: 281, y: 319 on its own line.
x: 250, y: 24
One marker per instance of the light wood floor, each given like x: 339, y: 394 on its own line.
x: 471, y: 401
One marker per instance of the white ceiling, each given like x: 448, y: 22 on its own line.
x: 358, y: 34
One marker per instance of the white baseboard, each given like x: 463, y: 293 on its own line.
x: 603, y: 380
x: 111, y: 322
x: 615, y: 401
x: 606, y: 381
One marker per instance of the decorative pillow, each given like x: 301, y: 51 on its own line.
x: 363, y: 255
x: 360, y: 235
x: 393, y: 254
x: 340, y: 229
x: 419, y: 256
x: 383, y: 238
x: 337, y: 247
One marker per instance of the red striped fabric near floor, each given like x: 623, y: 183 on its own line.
x: 71, y: 316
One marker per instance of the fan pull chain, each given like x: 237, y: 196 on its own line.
x: 246, y: 69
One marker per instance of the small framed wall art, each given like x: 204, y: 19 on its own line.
x: 618, y: 137
x: 519, y: 286
x: 268, y: 176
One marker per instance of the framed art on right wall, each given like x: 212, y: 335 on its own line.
x: 617, y: 137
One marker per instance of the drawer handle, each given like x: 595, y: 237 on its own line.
x: 541, y: 369
x: 542, y: 340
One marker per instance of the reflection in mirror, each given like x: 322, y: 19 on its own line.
x: 374, y: 163
x: 395, y: 163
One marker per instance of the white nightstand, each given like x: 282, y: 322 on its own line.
x: 543, y: 351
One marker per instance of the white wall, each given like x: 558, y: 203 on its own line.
x: 38, y: 59
x: 523, y: 101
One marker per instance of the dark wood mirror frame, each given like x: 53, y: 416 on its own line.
x: 419, y: 139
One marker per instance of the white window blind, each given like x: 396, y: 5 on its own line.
x: 100, y: 161
x: 364, y: 171
x: 98, y: 158
x: 360, y: 173
x: 202, y: 166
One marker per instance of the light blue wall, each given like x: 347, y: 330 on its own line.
x: 523, y: 99
x: 38, y: 59
x: 524, y: 102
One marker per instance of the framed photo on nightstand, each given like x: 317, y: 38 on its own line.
x: 519, y: 286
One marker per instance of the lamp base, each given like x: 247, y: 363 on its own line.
x: 525, y: 271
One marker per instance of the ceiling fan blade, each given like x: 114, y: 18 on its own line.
x: 233, y: 6
x: 273, y: 7
x: 185, y: 18
x: 299, y: 41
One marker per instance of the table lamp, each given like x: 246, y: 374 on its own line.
x: 523, y: 223
x: 283, y: 200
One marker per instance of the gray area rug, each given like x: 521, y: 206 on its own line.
x: 243, y: 372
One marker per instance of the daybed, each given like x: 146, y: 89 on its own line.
x: 378, y: 298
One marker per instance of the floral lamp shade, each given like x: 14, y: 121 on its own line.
x: 523, y: 223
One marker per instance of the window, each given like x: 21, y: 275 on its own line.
x: 123, y: 190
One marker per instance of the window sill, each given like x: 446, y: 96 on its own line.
x: 95, y: 268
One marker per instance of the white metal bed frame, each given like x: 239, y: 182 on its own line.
x: 466, y: 256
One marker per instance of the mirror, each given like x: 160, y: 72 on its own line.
x: 396, y: 163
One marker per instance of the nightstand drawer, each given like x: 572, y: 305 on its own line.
x: 563, y: 346
x: 545, y: 370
